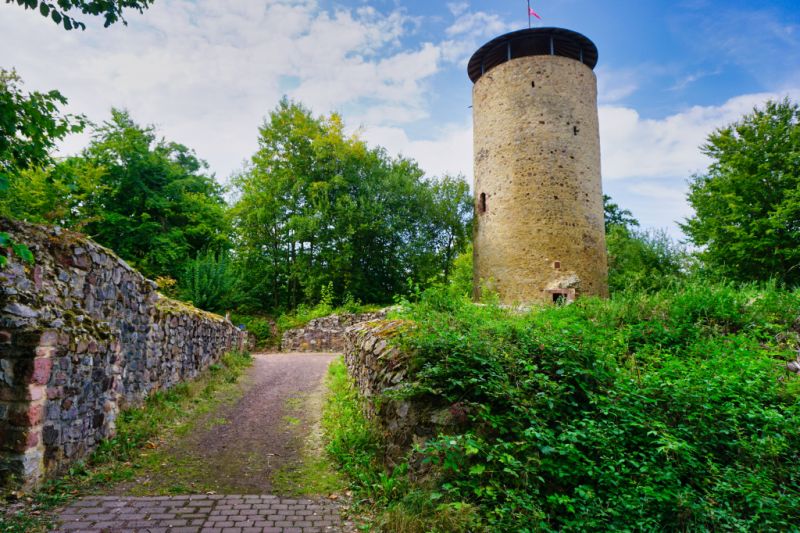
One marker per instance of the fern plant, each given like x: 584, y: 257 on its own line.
x: 208, y: 282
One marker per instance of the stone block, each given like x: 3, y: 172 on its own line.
x: 41, y: 370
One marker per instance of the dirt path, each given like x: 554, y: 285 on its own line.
x: 236, y: 468
x: 239, y: 448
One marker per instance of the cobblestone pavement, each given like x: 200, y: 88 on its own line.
x: 201, y: 514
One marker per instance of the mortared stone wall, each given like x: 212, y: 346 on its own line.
x: 539, y: 228
x: 83, y: 335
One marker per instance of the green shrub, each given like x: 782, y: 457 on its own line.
x: 670, y: 411
x: 304, y: 314
x: 386, y: 494
x: 643, y: 260
x: 261, y: 327
x: 208, y: 282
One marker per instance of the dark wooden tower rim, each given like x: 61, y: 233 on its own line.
x: 532, y: 42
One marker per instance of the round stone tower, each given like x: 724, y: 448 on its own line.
x: 539, y: 227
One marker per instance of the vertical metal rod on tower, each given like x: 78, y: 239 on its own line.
x: 529, y: 14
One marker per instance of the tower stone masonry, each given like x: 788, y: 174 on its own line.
x: 539, y: 226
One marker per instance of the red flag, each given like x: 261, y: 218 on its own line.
x: 534, y: 13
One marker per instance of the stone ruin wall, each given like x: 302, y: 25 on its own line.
x: 540, y: 225
x: 326, y: 334
x: 378, y: 368
x: 82, y: 336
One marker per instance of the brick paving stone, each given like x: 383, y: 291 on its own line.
x: 201, y: 514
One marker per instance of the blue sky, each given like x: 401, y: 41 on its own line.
x: 206, y: 72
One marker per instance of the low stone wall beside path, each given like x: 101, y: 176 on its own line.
x: 379, y: 368
x: 326, y: 334
x: 83, y: 335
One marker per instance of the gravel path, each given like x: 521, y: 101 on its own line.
x: 235, y: 452
x: 240, y: 454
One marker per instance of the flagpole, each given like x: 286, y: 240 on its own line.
x: 529, y: 14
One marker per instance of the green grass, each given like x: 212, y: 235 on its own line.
x: 315, y: 473
x: 670, y: 411
x: 139, y: 432
x: 383, y: 498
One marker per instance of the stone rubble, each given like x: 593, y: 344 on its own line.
x: 326, y: 334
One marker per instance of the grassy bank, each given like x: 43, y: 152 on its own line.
x: 671, y: 411
x: 139, y: 432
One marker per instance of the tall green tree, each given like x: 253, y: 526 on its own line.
x: 617, y: 216
x: 319, y: 207
x: 30, y: 125
x: 640, y: 260
x: 451, y: 221
x: 155, y: 203
x: 747, y: 204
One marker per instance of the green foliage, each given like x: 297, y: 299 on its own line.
x: 304, y: 314
x: 20, y: 250
x: 110, y: 10
x: 616, y: 216
x: 669, y: 411
x: 643, y: 260
x: 152, y: 202
x: 355, y: 444
x: 747, y: 205
x: 460, y: 283
x: 208, y: 282
x: 261, y: 327
x: 30, y: 126
x: 65, y: 194
x: 317, y: 207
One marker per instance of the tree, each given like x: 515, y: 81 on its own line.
x: 452, y: 209
x: 30, y: 125
x: 317, y: 207
x: 60, y: 11
x: 616, y: 216
x: 65, y: 194
x: 747, y: 204
x: 208, y: 282
x: 154, y: 204
x: 642, y: 260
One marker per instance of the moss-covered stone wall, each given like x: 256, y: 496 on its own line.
x: 83, y: 335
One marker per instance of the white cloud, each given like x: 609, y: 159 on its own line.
x: 448, y: 152
x: 206, y: 72
x: 614, y: 85
x: 468, y: 31
x: 634, y: 147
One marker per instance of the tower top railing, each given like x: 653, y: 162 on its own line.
x: 532, y: 42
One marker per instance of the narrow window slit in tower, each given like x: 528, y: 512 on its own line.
x: 575, y: 130
x: 482, y: 203
x: 533, y: 84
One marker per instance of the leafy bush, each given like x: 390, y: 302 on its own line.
x: 304, y: 314
x: 643, y: 260
x: 261, y: 327
x: 671, y: 411
x: 355, y: 443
